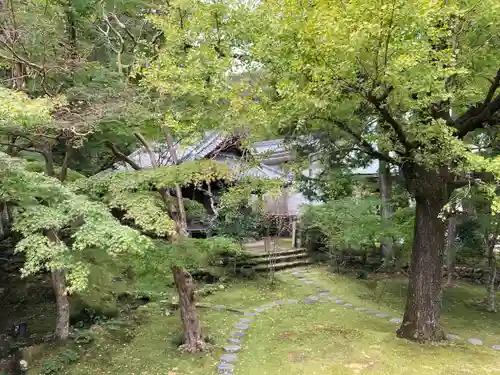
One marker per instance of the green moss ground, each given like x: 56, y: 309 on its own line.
x: 307, y: 339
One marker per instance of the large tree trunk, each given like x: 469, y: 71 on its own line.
x: 385, y: 184
x: 193, y: 338
x: 451, y: 250
x: 490, y: 287
x: 62, y: 303
x: 423, y: 305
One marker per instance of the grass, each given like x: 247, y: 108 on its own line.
x: 306, y: 339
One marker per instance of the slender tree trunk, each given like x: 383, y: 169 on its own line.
x: 385, y: 183
x: 193, y: 337
x: 423, y: 305
x: 178, y: 192
x: 451, y: 251
x: 62, y: 303
x: 492, y: 273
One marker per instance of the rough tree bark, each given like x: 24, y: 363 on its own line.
x: 385, y: 183
x: 490, y: 288
x: 62, y: 303
x: 423, y: 305
x: 451, y: 251
x: 492, y: 269
x: 193, y: 337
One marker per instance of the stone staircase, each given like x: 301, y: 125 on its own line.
x: 282, y: 259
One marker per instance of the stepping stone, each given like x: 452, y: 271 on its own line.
x: 339, y: 301
x: 348, y: 305
x: 232, y: 348
x: 324, y: 294
x: 324, y: 300
x: 244, y: 320
x: 475, y: 341
x: 219, y: 307
x: 279, y: 302
x: 371, y: 312
x: 233, y: 340
x: 309, y: 282
x: 308, y: 300
x: 382, y: 316
x: 452, y: 336
x: 495, y: 347
x: 292, y: 301
x: 396, y: 320
x: 237, y: 334
x: 314, y: 298
x: 259, y: 310
x: 243, y: 327
x: 249, y: 314
x: 321, y: 290
x: 229, y: 358
x: 360, y: 309
x: 225, y: 368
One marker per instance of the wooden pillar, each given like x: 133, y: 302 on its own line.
x: 294, y: 232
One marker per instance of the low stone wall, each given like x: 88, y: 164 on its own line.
x: 473, y: 275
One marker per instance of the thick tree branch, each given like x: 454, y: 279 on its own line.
x: 121, y: 156
x: 476, y: 116
x: 378, y: 103
x: 22, y: 148
x: 366, y: 146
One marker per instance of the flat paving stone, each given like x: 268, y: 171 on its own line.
x: 278, y: 302
x: 339, y: 301
x: 495, y: 347
x: 232, y: 348
x: 371, y: 312
x: 229, y: 358
x: 219, y: 307
x: 314, y: 298
x: 249, y: 314
x: 243, y: 327
x: 238, y: 334
x: 396, y: 320
x: 245, y: 320
x: 225, y: 368
x: 360, y: 309
x: 452, y: 336
x: 259, y: 310
x: 309, y: 282
x: 348, y: 305
x: 308, y: 301
x: 234, y: 340
x: 382, y: 316
x: 324, y: 294
x: 292, y: 301
x: 475, y: 341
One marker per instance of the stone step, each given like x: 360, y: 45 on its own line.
x: 287, y: 257
x: 277, y: 253
x: 283, y: 266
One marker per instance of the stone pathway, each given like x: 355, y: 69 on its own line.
x: 228, y: 361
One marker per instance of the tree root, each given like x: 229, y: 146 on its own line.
x: 175, y: 306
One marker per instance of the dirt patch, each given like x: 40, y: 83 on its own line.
x: 297, y: 357
x: 337, y: 331
x: 287, y: 335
